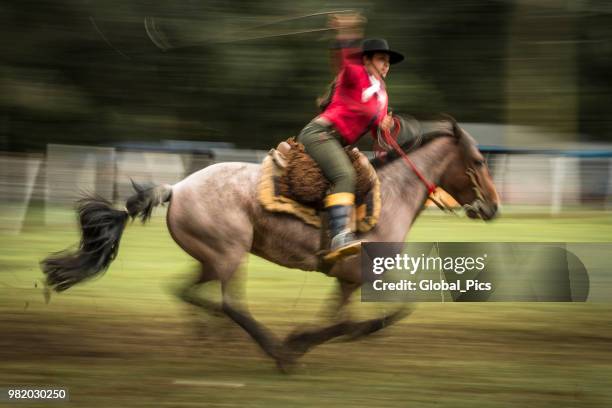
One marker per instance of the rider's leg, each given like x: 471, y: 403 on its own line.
x: 327, y: 151
x: 339, y: 207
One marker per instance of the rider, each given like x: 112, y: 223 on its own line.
x: 358, y: 105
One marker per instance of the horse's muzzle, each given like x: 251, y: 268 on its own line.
x: 482, y: 210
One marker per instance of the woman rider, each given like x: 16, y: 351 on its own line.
x: 358, y: 106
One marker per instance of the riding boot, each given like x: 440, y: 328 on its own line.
x: 339, y: 208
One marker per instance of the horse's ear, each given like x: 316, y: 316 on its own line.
x: 456, y: 129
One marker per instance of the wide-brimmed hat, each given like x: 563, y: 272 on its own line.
x: 379, y: 45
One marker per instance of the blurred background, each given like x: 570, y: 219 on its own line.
x: 93, y: 73
x: 95, y: 92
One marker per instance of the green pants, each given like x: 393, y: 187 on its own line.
x: 327, y: 151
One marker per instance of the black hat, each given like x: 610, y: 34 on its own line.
x: 371, y: 45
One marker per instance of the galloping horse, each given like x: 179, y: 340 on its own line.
x: 214, y: 215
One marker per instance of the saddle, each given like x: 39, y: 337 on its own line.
x: 291, y: 182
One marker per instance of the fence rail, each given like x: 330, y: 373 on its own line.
x: 552, y: 180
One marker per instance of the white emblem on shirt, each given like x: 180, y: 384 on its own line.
x: 374, y: 88
x: 371, y: 90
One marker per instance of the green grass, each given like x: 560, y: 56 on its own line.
x: 124, y: 341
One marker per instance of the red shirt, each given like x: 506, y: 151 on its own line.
x: 359, y: 101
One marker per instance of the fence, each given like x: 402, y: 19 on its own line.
x: 552, y: 181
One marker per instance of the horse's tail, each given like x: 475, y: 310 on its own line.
x: 101, y: 230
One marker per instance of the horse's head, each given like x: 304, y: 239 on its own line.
x: 468, y: 180
x: 465, y: 174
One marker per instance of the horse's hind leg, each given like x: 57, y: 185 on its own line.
x: 268, y: 342
x: 221, y: 252
x: 189, y: 292
x: 223, y: 268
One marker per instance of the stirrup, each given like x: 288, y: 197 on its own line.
x: 342, y: 245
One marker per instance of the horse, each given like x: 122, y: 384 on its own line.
x: 214, y: 215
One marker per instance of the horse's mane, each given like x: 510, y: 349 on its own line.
x: 420, y: 139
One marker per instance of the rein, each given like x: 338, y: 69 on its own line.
x: 390, y: 139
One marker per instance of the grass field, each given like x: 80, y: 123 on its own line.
x: 124, y: 341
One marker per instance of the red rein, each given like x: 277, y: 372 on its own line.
x: 391, y: 141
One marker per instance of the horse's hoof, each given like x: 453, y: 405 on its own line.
x: 297, y: 344
x: 285, y: 366
x: 284, y: 359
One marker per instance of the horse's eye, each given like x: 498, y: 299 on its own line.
x: 479, y: 163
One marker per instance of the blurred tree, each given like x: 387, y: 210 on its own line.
x: 88, y: 73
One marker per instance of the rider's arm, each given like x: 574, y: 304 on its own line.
x: 349, y: 33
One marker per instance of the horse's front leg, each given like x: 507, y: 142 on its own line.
x: 298, y: 343
x: 336, y: 308
x: 348, y: 274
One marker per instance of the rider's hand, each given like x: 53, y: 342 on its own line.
x: 386, y: 123
x: 348, y: 25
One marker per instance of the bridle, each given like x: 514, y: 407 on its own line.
x: 433, y: 193
x: 475, y: 205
